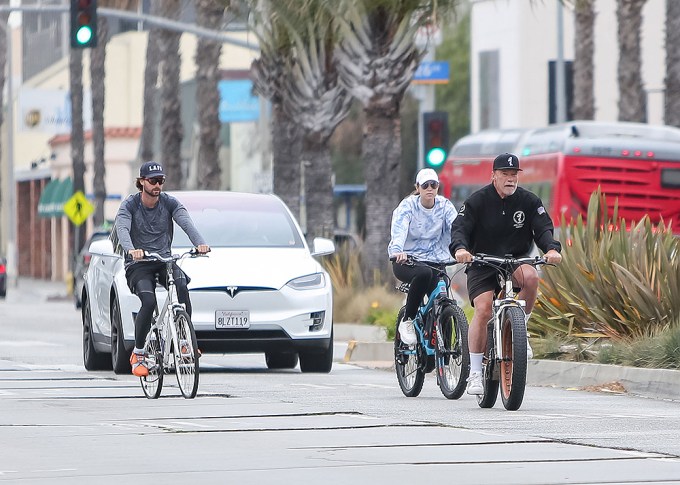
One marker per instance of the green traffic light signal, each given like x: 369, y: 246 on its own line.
x: 84, y: 34
x: 436, y: 157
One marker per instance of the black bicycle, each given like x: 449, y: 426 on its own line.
x: 442, y: 331
x: 505, y: 361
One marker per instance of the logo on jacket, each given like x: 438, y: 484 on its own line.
x: 518, y: 217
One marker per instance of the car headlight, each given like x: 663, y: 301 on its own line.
x: 309, y: 282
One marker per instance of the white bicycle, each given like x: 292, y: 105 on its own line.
x: 171, y: 334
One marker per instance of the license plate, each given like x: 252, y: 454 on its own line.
x: 232, y: 319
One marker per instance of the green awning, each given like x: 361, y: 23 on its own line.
x: 53, y: 197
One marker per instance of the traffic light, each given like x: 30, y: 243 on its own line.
x: 435, y: 139
x: 83, y: 24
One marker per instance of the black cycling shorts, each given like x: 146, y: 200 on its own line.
x: 150, y: 270
x: 481, y: 279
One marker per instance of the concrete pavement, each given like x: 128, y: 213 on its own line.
x: 366, y: 346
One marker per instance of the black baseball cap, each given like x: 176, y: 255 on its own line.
x: 506, y: 161
x: 151, y: 169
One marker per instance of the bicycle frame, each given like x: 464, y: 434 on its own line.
x: 499, y: 307
x: 170, y: 307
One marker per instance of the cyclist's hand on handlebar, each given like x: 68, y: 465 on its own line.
x: 203, y: 248
x: 463, y: 255
x: 400, y: 257
x: 136, y: 254
x: 552, y: 257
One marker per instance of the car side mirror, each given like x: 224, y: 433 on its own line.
x: 102, y: 247
x: 322, y: 246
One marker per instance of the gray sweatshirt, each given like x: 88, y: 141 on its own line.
x: 139, y: 227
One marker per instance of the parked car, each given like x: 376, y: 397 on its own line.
x: 83, y: 262
x: 3, y: 277
x: 260, y: 268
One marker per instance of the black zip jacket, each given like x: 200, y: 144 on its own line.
x: 489, y: 224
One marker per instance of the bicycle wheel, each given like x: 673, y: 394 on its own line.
x: 452, y: 355
x: 513, y: 368
x: 407, y: 365
x: 153, y: 383
x: 186, y: 355
x: 488, y: 399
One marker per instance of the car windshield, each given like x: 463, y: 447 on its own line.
x: 269, y: 227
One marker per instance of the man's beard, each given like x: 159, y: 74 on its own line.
x: 151, y: 193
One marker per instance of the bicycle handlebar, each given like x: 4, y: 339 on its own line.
x: 490, y: 260
x: 411, y: 261
x: 149, y: 256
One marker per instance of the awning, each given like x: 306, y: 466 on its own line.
x: 53, y: 197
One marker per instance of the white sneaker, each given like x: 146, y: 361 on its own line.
x: 407, y: 333
x: 530, y: 351
x: 475, y: 385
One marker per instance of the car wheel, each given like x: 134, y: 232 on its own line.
x: 318, y: 361
x: 119, y: 357
x: 281, y: 360
x: 92, y: 359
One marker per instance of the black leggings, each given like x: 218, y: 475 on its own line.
x: 145, y: 289
x: 423, y: 281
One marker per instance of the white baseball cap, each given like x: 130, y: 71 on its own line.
x: 425, y: 175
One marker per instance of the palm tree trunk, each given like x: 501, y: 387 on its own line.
x: 584, y: 46
x: 381, y: 152
x: 153, y: 60
x: 4, y: 26
x: 316, y: 157
x: 98, y: 75
x: 77, y: 137
x: 632, y: 96
x: 286, y: 152
x: 171, y: 122
x: 672, y: 98
x: 209, y: 15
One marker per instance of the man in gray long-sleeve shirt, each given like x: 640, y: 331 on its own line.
x: 144, y: 223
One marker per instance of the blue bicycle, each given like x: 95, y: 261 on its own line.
x: 442, y: 331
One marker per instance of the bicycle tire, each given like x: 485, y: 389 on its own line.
x: 513, y: 365
x: 453, y: 361
x: 407, y: 365
x: 488, y: 399
x: 185, y: 355
x: 152, y: 384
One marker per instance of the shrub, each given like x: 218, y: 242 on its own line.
x: 618, y: 280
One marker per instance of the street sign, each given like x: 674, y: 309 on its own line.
x: 78, y: 208
x: 432, y: 72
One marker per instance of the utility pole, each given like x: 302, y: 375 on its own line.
x: 560, y: 96
x: 12, y: 263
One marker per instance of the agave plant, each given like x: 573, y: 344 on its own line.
x: 619, y: 280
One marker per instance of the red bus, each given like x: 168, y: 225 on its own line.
x: 636, y: 164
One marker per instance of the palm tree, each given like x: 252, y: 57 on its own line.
x: 171, y: 122
x: 584, y: 68
x: 672, y: 97
x: 97, y: 85
x: 269, y: 80
x: 377, y: 59
x: 632, y: 96
x: 4, y: 27
x: 153, y: 60
x: 77, y: 137
x: 210, y: 14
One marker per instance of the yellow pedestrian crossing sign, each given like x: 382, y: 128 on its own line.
x: 78, y: 208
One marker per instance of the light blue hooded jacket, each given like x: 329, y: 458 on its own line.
x: 422, y: 233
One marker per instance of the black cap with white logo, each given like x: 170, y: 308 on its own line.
x: 506, y: 161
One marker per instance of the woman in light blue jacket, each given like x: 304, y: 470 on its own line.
x: 421, y: 229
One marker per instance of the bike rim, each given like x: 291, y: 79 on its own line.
x: 506, y: 362
x: 185, y: 359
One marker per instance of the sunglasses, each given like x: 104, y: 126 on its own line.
x: 427, y: 185
x: 156, y: 181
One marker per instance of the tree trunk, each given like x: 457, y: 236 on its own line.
x: 632, y: 96
x: 381, y: 153
x: 286, y: 152
x: 584, y: 46
x: 316, y: 157
x: 209, y: 15
x: 153, y: 59
x: 4, y: 26
x: 98, y: 77
x: 672, y: 96
x: 77, y: 138
x: 171, y: 122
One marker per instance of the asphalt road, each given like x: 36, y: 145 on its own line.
x: 61, y: 424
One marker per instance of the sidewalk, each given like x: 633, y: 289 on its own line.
x: 653, y: 383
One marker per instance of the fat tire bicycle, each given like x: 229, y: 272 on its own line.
x: 504, y: 366
x: 171, y: 334
x: 442, y: 331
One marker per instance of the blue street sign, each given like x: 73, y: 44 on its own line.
x: 432, y: 72
x: 237, y: 102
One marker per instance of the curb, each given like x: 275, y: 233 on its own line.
x: 652, y: 383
